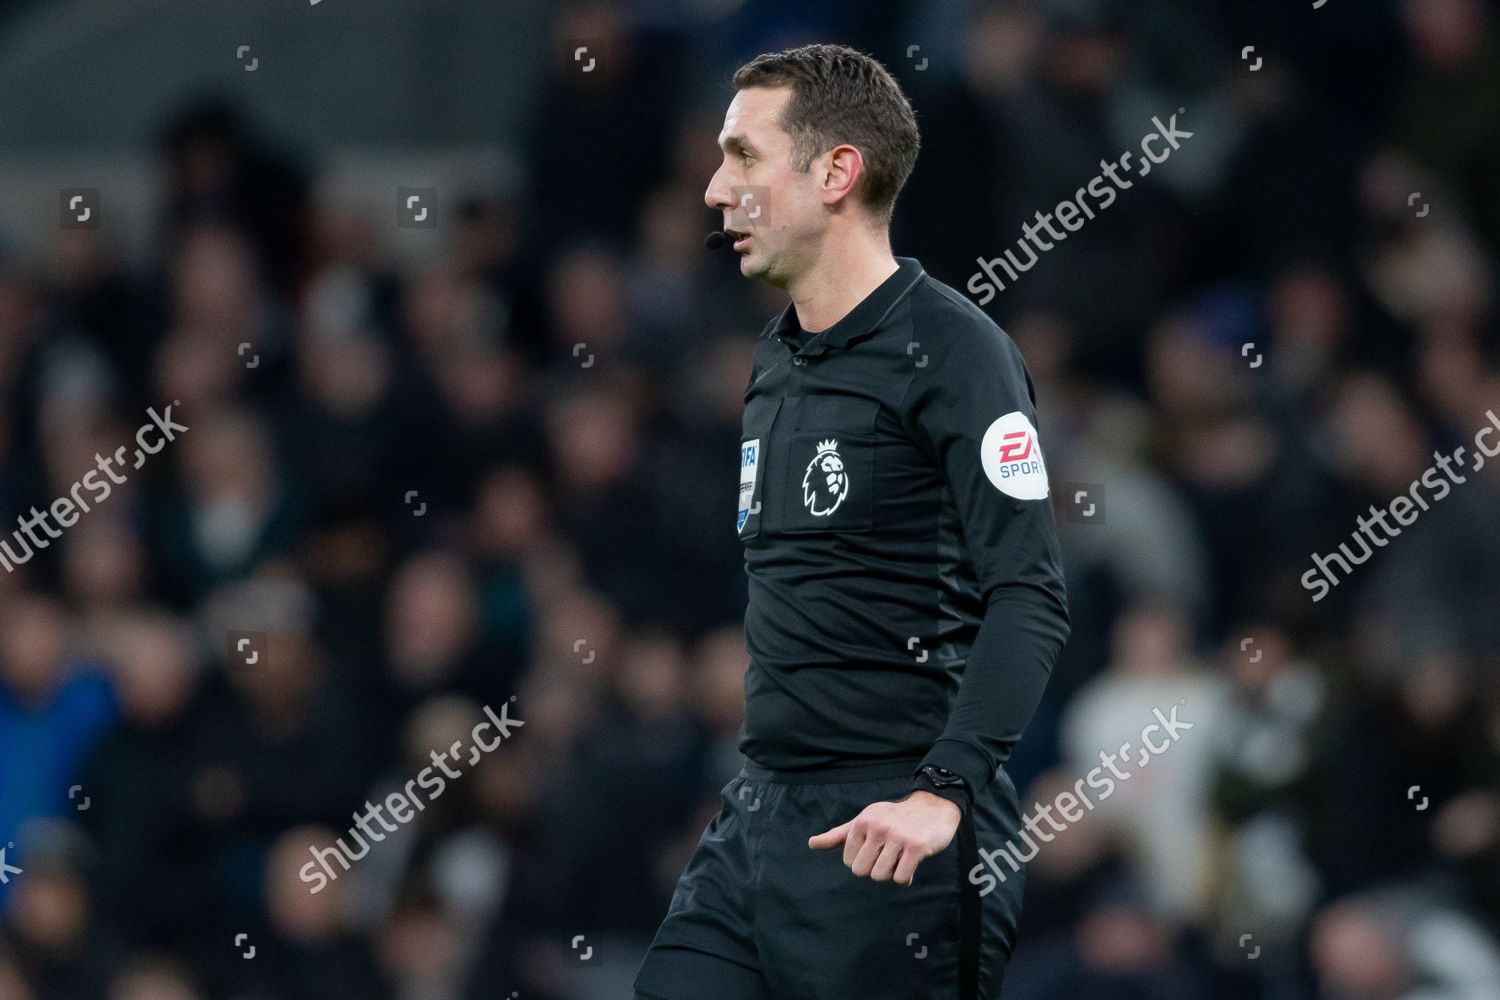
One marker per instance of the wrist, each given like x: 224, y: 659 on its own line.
x: 933, y: 798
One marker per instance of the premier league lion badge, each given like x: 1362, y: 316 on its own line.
x: 826, y: 482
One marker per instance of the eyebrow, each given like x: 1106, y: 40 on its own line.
x: 735, y: 144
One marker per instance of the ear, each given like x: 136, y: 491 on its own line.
x: 842, y: 166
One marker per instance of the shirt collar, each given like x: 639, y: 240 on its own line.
x: 862, y: 319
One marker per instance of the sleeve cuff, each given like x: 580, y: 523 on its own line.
x: 964, y: 760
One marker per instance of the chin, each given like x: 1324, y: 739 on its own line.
x: 755, y: 265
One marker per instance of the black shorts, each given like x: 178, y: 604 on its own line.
x: 758, y: 915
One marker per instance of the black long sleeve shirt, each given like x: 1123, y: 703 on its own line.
x: 906, y: 594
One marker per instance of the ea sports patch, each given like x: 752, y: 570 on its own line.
x: 1012, y: 457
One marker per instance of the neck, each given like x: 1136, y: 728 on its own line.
x: 850, y: 266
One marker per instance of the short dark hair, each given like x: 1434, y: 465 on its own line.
x: 842, y: 96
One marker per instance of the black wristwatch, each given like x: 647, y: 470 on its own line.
x: 943, y: 782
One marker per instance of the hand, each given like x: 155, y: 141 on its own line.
x: 892, y: 838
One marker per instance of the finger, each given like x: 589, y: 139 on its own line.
x: 829, y: 838
x: 907, y: 869
x: 886, y: 863
x: 854, y: 842
x: 864, y: 861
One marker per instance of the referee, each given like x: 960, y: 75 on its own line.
x: 906, y: 593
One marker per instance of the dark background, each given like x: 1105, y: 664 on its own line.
x: 555, y: 367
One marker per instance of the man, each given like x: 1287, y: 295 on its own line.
x: 906, y: 595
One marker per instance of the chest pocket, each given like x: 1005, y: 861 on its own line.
x: 826, y: 466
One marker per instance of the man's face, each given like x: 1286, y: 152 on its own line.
x: 770, y: 209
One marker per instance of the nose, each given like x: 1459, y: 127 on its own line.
x: 718, y: 195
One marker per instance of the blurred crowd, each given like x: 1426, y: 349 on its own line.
x: 503, y: 474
